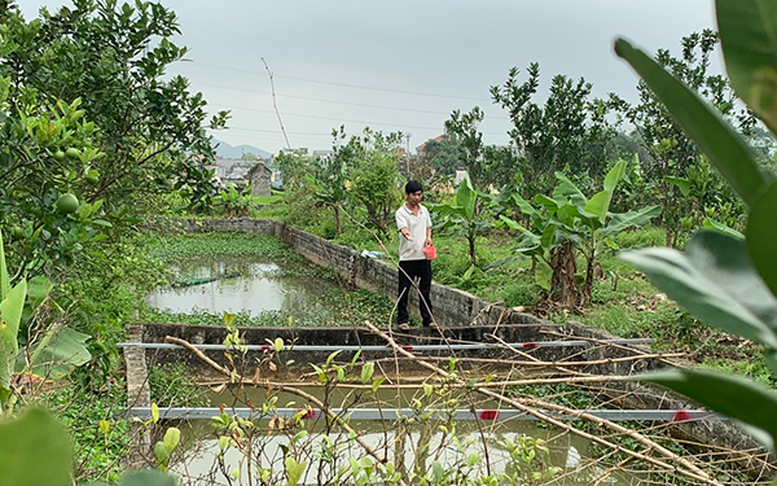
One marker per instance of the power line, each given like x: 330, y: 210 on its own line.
x: 337, y: 102
x: 272, y: 132
x: 387, y: 90
x: 338, y: 120
x: 344, y: 120
x: 343, y: 85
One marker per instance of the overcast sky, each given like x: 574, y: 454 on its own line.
x: 402, y: 65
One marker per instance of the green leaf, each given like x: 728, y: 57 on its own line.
x: 147, y: 478
x: 724, y: 260
x: 715, y: 282
x: 161, y: 453
x: 736, y: 397
x: 38, y: 288
x: 726, y: 149
x: 566, y: 190
x: 10, y: 315
x: 5, y: 280
x: 367, y: 370
x: 171, y: 439
x: 600, y: 202
x: 683, y: 184
x: 466, y: 198
x: 711, y: 224
x: 29, y: 442
x: 524, y: 206
x: 229, y: 319
x: 748, y: 36
x: 542, y: 274
x: 294, y: 470
x: 59, y: 352
x: 633, y: 219
x: 761, y: 237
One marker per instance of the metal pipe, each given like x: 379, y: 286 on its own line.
x: 171, y: 413
x: 413, y: 347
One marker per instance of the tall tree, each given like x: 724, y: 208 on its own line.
x: 90, y: 124
x: 463, y: 130
x: 371, y: 160
x: 115, y: 57
x: 570, y: 132
x: 674, y: 157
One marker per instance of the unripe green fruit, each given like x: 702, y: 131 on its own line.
x: 72, y: 153
x: 59, y: 155
x: 92, y: 176
x: 17, y: 233
x: 67, y: 203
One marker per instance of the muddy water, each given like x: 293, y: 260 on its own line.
x: 407, y: 444
x: 257, y: 287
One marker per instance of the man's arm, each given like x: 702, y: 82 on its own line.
x: 402, y: 225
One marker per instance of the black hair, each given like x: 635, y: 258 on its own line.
x: 413, y: 186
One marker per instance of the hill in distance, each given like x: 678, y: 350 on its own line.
x: 229, y: 152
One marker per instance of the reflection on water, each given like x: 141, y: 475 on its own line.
x: 258, y: 287
x: 408, y: 447
x: 412, y: 444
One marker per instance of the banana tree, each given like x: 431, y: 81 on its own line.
x: 569, y: 223
x: 465, y: 217
x: 592, y: 225
x: 11, y: 308
x: 58, y: 351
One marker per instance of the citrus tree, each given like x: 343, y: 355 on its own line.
x: 90, y: 126
x: 727, y: 282
x: 372, y: 160
x: 675, y: 169
x: 113, y: 57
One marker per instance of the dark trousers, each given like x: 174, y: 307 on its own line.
x: 409, y: 271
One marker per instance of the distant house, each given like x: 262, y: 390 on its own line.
x: 420, y: 149
x: 261, y: 177
x: 323, y: 154
x: 460, y: 175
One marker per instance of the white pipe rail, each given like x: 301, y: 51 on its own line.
x: 410, y: 347
x: 171, y: 413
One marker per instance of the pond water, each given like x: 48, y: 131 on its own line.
x: 251, y: 288
x: 408, y: 443
x: 220, y: 284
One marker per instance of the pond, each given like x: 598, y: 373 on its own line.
x: 516, y: 447
x: 262, y: 293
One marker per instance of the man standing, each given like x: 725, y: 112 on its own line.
x: 415, y: 228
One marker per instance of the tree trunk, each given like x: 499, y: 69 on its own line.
x: 588, y: 286
x: 337, y: 220
x: 563, y: 287
x: 472, y: 257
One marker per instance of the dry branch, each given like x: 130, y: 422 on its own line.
x: 688, y: 469
x: 310, y: 398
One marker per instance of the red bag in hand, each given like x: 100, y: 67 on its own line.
x: 430, y: 252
